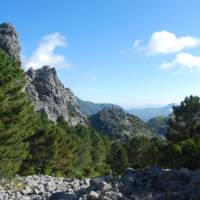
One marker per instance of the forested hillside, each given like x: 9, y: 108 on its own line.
x: 30, y: 143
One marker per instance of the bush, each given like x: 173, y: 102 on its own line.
x: 187, y: 153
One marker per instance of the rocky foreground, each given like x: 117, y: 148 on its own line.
x: 151, y: 184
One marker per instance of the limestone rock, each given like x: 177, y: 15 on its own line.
x: 93, y: 196
x: 63, y: 196
x: 9, y: 41
x: 152, y: 183
x: 99, y: 184
x: 50, y: 96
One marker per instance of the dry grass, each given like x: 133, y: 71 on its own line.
x: 15, y: 184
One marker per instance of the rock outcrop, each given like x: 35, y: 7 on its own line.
x: 50, y: 96
x: 9, y: 41
x: 118, y: 124
x: 151, y: 184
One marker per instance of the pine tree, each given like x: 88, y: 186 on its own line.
x: 186, y: 121
x: 144, y: 151
x: 51, y: 150
x: 117, y: 158
x: 16, y: 116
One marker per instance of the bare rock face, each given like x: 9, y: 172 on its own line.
x: 9, y: 41
x: 50, y: 96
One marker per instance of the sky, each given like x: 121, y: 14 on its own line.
x: 134, y: 53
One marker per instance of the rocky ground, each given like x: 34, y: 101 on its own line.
x: 151, y: 184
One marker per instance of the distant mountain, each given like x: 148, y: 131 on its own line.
x: 118, y: 124
x: 90, y: 108
x: 148, y: 113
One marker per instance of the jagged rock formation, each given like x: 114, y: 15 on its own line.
x: 50, y: 96
x: 118, y: 124
x: 9, y: 41
x: 90, y: 108
x: 153, y: 183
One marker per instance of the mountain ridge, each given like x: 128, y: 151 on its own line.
x: 119, y: 124
x: 148, y: 113
x: 90, y: 108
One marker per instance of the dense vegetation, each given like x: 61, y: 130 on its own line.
x: 183, y: 148
x: 17, y: 120
x: 65, y: 151
x: 159, y: 124
x: 182, y: 145
x: 30, y: 143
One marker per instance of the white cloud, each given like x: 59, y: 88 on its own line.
x: 164, y: 42
x: 45, y: 55
x: 185, y: 61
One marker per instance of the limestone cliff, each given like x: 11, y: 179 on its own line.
x: 50, y: 96
x: 9, y: 41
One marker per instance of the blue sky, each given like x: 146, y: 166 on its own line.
x: 134, y: 53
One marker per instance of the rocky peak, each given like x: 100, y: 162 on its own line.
x: 9, y: 41
x: 49, y: 95
x: 47, y: 75
x: 118, y: 124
